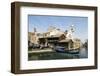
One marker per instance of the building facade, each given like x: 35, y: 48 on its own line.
x: 54, y: 37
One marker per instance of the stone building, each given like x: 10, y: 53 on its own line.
x: 32, y: 37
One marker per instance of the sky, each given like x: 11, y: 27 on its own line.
x: 42, y: 22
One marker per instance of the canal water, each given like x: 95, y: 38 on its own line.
x: 83, y: 53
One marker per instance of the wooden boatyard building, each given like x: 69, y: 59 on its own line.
x: 55, y: 37
x: 60, y: 41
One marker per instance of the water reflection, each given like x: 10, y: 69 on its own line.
x: 83, y: 53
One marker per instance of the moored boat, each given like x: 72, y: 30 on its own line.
x: 64, y: 50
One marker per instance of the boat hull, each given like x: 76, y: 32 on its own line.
x: 73, y: 51
x: 67, y: 51
x: 64, y: 50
